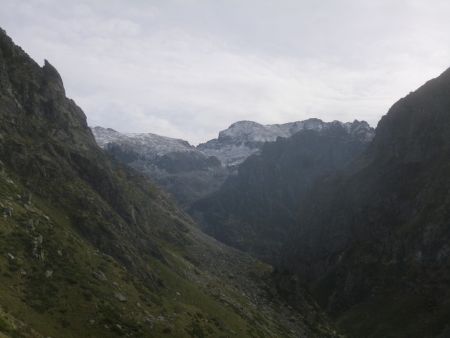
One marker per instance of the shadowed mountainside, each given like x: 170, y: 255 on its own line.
x: 257, y: 209
x: 373, y: 241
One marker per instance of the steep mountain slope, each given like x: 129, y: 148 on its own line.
x: 257, y: 209
x: 374, y: 242
x: 182, y: 170
x: 89, y: 248
x: 245, y: 138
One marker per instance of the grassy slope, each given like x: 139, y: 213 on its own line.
x: 193, y: 295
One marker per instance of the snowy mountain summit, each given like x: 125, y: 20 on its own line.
x: 245, y: 138
x: 145, y: 144
x: 180, y: 168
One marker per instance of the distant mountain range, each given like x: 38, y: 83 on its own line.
x: 245, y: 138
x: 190, y: 173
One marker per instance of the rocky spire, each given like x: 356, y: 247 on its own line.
x: 52, y: 78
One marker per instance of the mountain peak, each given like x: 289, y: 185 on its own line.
x: 244, y: 123
x: 244, y: 138
x: 416, y: 127
x: 52, y: 77
x: 147, y: 144
x: 245, y: 131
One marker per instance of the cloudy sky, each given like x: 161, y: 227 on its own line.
x: 189, y: 68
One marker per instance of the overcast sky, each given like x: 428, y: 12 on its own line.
x: 190, y: 68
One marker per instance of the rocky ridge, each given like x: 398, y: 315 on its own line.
x: 245, y: 138
x: 146, y: 144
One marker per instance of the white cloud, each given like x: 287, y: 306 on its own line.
x: 190, y: 68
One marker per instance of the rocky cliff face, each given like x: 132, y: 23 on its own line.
x: 90, y: 248
x: 257, y: 209
x: 373, y: 241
